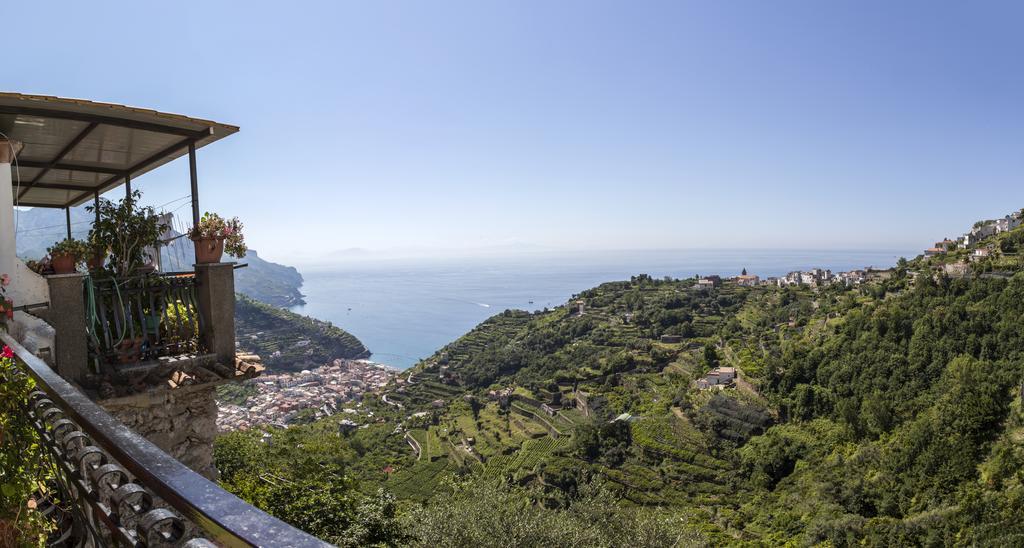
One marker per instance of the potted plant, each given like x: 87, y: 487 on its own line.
x: 126, y: 230
x: 214, y: 235
x: 129, y: 350
x: 66, y: 254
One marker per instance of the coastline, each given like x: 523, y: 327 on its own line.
x: 405, y: 310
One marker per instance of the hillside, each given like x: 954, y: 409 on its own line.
x: 879, y: 412
x: 291, y: 342
x: 268, y: 282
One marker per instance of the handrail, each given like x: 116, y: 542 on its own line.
x: 225, y: 519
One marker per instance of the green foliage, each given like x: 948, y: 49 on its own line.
x: 710, y: 356
x: 604, y: 441
x: 769, y: 458
x: 21, y: 463
x: 127, y: 229
x: 275, y: 334
x: 487, y: 513
x: 298, y: 475
x: 70, y: 246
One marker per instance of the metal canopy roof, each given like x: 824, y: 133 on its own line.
x: 74, y: 149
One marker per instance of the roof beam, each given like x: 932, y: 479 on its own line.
x: 69, y: 167
x: 56, y: 186
x: 35, y: 204
x: 108, y: 120
x: 160, y: 155
x: 60, y: 156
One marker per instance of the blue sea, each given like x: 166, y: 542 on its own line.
x: 404, y: 310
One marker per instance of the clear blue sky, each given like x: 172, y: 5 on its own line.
x: 583, y: 124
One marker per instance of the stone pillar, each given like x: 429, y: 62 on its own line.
x: 67, y: 316
x: 215, y: 288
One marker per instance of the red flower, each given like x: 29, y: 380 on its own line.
x: 7, y: 353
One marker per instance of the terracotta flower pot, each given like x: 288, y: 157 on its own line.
x: 209, y: 249
x: 63, y: 263
x: 130, y: 350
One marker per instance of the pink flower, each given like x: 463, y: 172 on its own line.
x: 7, y: 353
x: 228, y: 231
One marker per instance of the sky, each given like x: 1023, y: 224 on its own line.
x: 441, y: 127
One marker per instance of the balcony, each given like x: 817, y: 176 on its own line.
x: 124, y: 367
x: 110, y: 486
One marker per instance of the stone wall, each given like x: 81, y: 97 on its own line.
x: 182, y: 422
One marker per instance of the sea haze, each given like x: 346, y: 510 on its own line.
x: 405, y: 310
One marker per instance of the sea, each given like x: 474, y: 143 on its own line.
x: 406, y: 309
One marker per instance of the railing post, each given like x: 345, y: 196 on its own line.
x: 215, y: 290
x: 66, y: 315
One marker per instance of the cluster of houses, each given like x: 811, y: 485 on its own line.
x: 815, y: 277
x: 980, y: 231
x: 324, y: 391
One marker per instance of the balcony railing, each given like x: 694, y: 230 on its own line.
x: 141, y: 318
x: 112, y: 487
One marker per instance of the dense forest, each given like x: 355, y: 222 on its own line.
x: 887, y: 412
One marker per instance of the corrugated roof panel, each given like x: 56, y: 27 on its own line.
x: 121, y: 138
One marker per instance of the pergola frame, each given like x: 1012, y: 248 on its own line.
x: 188, y: 138
x: 94, y: 121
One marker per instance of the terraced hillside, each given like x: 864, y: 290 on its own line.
x: 589, y: 390
x: 885, y: 412
x: 290, y: 342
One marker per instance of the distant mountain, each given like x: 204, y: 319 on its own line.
x: 39, y: 228
x: 272, y: 283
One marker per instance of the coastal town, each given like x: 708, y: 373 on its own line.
x: 285, y: 398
